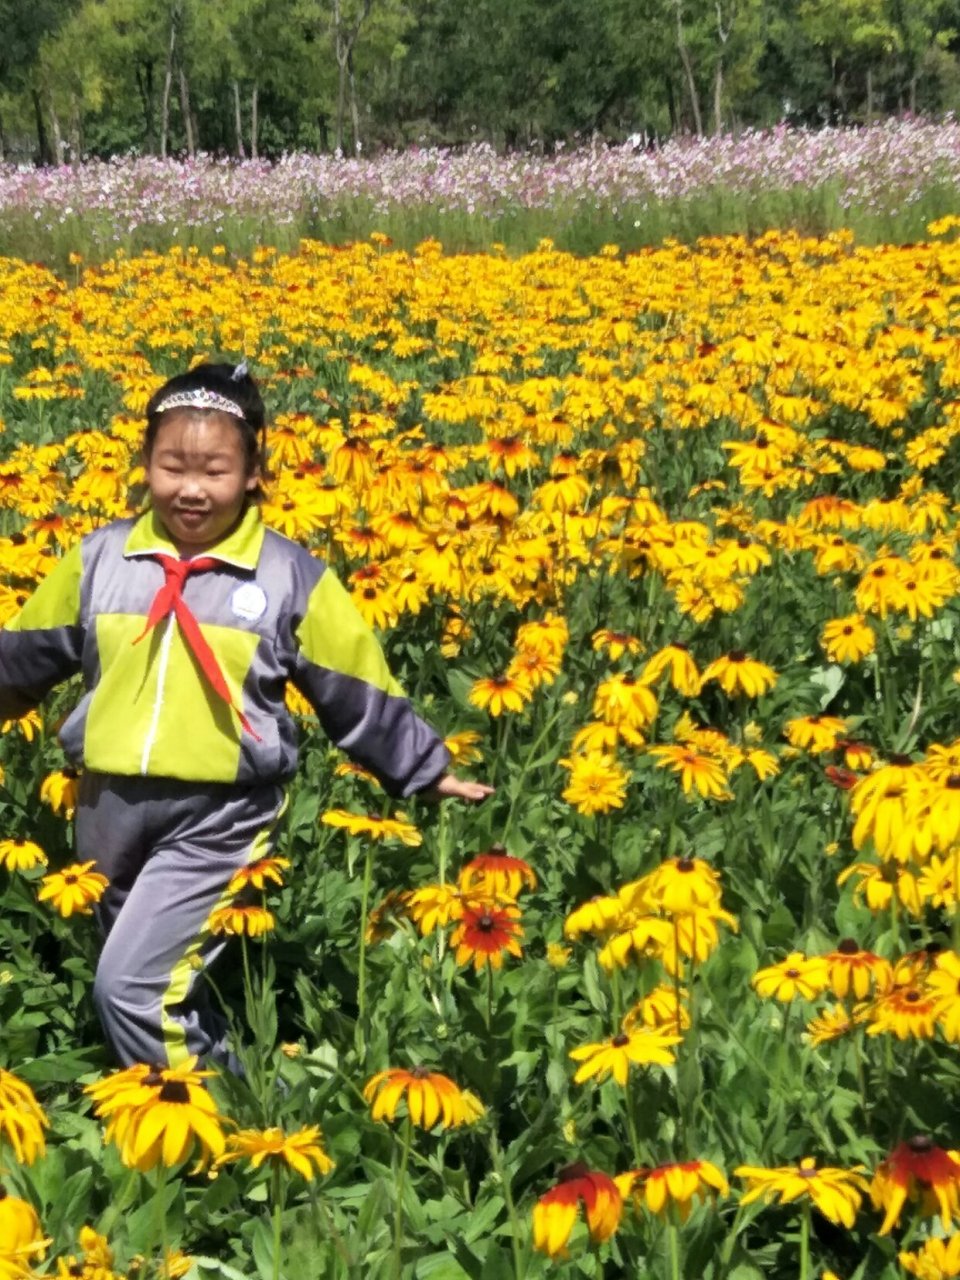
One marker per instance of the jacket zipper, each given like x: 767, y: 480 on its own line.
x: 164, y: 662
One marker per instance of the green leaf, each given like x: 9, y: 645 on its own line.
x: 262, y: 1248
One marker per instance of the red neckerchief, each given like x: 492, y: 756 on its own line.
x: 169, y: 599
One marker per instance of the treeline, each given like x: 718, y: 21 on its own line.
x: 252, y: 78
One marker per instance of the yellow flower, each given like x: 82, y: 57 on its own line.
x: 75, y: 888
x: 258, y: 873
x: 252, y: 921
x: 659, y: 1009
x: 643, y: 1047
x: 736, y: 672
x: 833, y: 1023
x: 463, y: 746
x: 795, y: 976
x: 29, y: 725
x: 163, y: 1115
x: 300, y: 1150
x: 848, y: 639
x: 555, y: 1213
x: 702, y: 772
x: 59, y: 791
x: 557, y: 955
x: 676, y: 660
x: 918, y: 1170
x: 815, y: 733
x: 936, y: 1259
x: 681, y: 885
x: 837, y: 1193
x: 596, y: 784
x: 497, y: 694
x: 430, y: 1097
x: 373, y: 827
x: 21, y: 855
x: 497, y: 873
x: 22, y: 1120
x: 601, y: 915
x: 673, y: 1186
x: 21, y: 1237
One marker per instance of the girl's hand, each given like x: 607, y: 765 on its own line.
x: 459, y: 788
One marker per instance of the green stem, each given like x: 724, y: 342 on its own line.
x: 117, y: 1206
x: 496, y: 1159
x: 730, y: 1243
x: 362, y: 961
x: 160, y: 1220
x: 805, y: 1242
x: 401, y: 1180
x: 632, y: 1123
x: 616, y: 1002
x: 531, y: 755
x: 276, y: 1194
x: 956, y: 897
x: 673, y: 1232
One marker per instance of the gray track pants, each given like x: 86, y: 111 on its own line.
x: 169, y: 850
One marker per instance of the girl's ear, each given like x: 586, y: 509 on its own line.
x: 253, y: 480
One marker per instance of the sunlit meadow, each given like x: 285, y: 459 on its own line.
x: 665, y: 543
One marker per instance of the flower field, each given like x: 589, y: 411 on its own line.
x: 665, y: 544
x: 886, y: 181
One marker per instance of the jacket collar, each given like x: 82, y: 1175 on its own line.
x: 240, y: 548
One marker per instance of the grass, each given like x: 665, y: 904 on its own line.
x: 571, y: 225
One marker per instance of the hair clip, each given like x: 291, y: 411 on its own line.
x: 239, y: 372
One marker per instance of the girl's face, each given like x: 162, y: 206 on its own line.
x: 198, y: 477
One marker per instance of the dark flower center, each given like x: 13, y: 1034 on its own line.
x: 848, y: 946
x: 174, y: 1091
x: 920, y: 1143
x: 736, y: 655
x: 620, y: 1040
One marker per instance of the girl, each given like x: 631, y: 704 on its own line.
x: 187, y: 622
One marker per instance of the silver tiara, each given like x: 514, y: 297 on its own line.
x: 201, y: 398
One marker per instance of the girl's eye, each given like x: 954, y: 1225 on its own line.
x: 212, y: 475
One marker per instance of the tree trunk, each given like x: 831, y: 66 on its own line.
x: 672, y: 105
x: 869, y: 95
x: 238, y: 121
x: 3, y: 143
x: 718, y: 97
x: 58, y: 152
x: 723, y: 35
x: 688, y: 71
x: 354, y: 111
x: 145, y: 86
x: 75, y: 139
x: 43, y: 143
x: 167, y: 86
x: 343, y: 42
x: 913, y: 93
x: 186, y: 113
x: 254, y: 122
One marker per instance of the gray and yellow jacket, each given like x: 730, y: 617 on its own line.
x: 270, y: 612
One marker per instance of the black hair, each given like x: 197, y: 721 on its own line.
x: 235, y: 384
